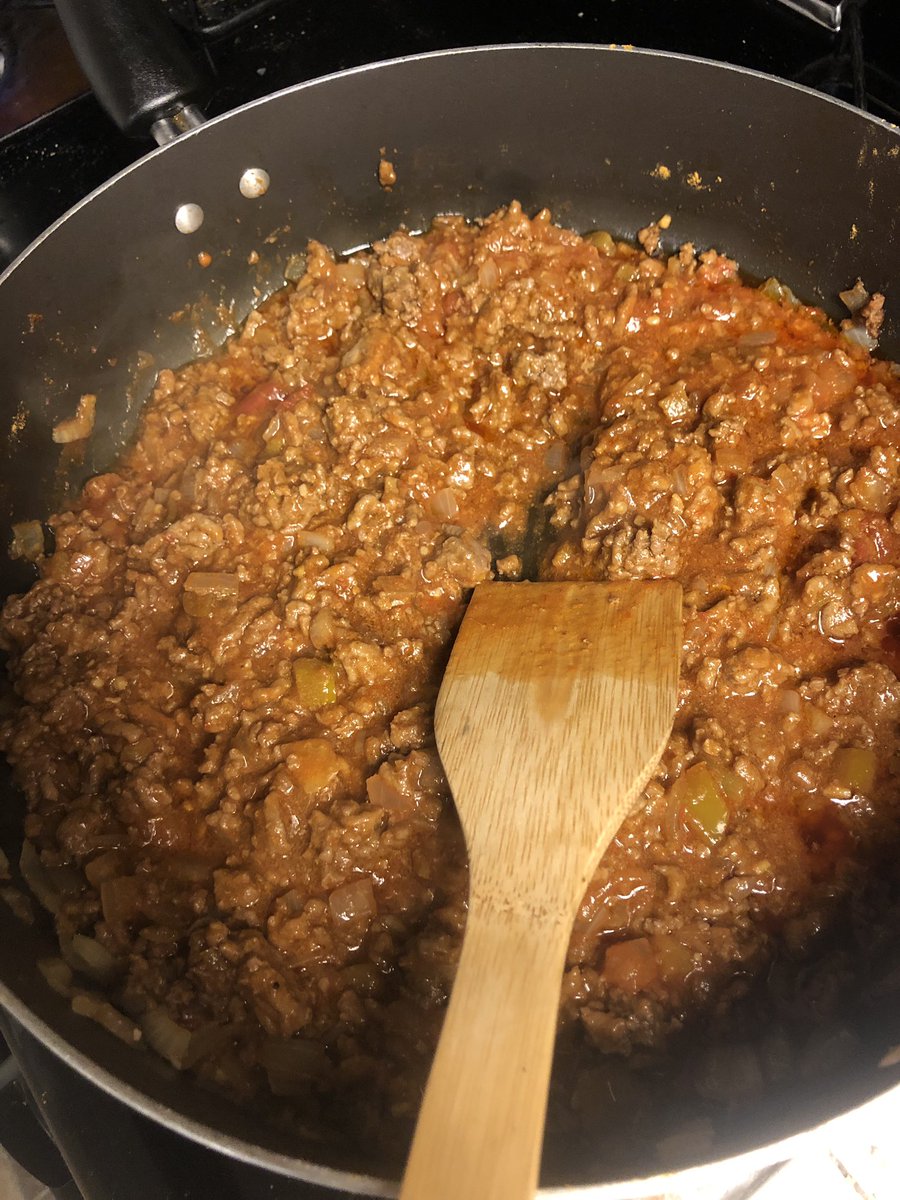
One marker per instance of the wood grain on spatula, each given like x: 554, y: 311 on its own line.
x: 557, y: 702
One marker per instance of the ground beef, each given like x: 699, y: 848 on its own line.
x: 227, y: 669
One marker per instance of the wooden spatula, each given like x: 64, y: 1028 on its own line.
x: 556, y: 705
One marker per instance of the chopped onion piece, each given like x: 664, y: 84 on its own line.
x: 784, y: 478
x: 355, y: 901
x: 757, y: 338
x: 101, y: 1011
x: 87, y: 955
x: 206, y: 591
x: 57, y: 974
x: 169, y: 1039
x: 776, y: 290
x: 79, y: 427
x: 216, y: 583
x: 398, y: 585
x: 789, y: 700
x: 860, y: 336
x: 242, y: 449
x: 631, y: 966
x: 315, y: 539
x: 322, y: 629
x: 444, y: 504
x: 819, y: 722
x: 734, y: 458
x: 314, y: 763
x: 19, y: 904
x: 27, y: 541
x: 385, y: 794
x: 854, y: 298
x: 35, y: 875
x: 488, y: 273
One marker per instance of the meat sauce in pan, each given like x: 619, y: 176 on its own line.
x: 226, y: 670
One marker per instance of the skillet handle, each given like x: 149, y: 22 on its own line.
x: 138, y: 65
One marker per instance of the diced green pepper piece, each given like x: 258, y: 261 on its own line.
x: 776, y: 290
x: 732, y: 784
x: 855, y: 767
x: 602, y: 240
x: 702, y: 802
x: 627, y: 272
x: 315, y: 682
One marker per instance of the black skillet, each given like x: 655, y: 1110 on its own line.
x: 790, y: 183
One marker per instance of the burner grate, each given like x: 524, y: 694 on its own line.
x: 824, y: 12
x: 215, y: 16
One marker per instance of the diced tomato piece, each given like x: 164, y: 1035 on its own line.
x: 873, y: 539
x: 260, y: 400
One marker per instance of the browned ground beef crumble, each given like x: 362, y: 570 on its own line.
x: 228, y: 665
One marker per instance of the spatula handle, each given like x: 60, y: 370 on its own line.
x: 481, y: 1124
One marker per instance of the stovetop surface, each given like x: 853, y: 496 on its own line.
x: 50, y: 163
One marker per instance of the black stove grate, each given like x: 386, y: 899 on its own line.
x: 215, y: 16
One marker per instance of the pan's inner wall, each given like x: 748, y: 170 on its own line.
x: 788, y: 183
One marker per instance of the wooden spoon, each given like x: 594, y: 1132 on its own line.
x: 556, y: 705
